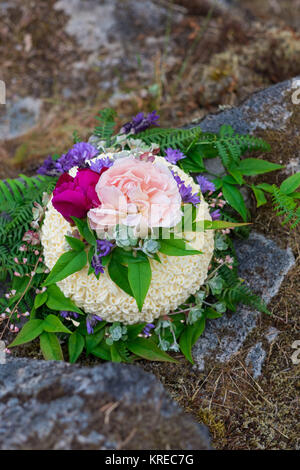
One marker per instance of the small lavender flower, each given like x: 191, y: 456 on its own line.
x: 140, y: 122
x: 49, y: 167
x: 187, y: 196
x: 205, y: 184
x: 97, y: 264
x: 76, y: 156
x: 91, y: 321
x: 98, y: 165
x: 104, y: 247
x: 148, y: 328
x: 65, y: 314
x: 215, y: 215
x: 174, y: 155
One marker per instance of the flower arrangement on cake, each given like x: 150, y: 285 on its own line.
x: 122, y: 247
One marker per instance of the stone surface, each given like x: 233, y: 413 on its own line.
x: 266, y: 109
x: 19, y: 116
x: 255, y: 359
x: 54, y: 405
x: 263, y: 265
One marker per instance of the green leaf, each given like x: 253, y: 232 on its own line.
x: 290, y: 185
x: 265, y: 187
x: 139, y: 277
x: 94, y: 339
x: 31, y: 330
x: 102, y: 351
x: 40, y: 299
x: 211, y: 314
x: 119, y: 274
x: 74, y: 243
x: 50, y: 347
x: 53, y: 324
x: 259, y: 196
x: 58, y: 301
x: 115, y: 356
x: 69, y: 263
x: 75, y: 346
x: 85, y: 230
x: 176, y: 247
x: 185, y: 342
x: 134, y: 330
x: 147, y: 349
x: 189, y: 337
x: 237, y: 175
x: 217, y: 225
x: 235, y: 199
x: 256, y: 166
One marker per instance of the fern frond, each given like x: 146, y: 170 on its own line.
x: 286, y: 206
x: 105, y: 129
x: 236, y: 292
x: 232, y: 146
x: 169, y: 138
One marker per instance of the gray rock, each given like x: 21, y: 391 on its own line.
x: 255, y: 358
x: 54, y: 405
x: 19, y: 116
x: 272, y: 334
x: 266, y: 109
x: 263, y: 265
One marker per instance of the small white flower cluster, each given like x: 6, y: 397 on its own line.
x: 173, y: 280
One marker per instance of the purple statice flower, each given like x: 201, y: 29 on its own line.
x: 91, y: 321
x: 174, y: 155
x: 205, y: 184
x: 148, y: 329
x: 186, y: 191
x: 215, y: 215
x: 100, y: 164
x: 65, y: 314
x: 140, y: 122
x: 96, y: 264
x: 76, y: 156
x: 187, y: 196
x: 49, y: 167
x: 104, y: 247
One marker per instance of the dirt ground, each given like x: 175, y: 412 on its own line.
x: 218, y: 58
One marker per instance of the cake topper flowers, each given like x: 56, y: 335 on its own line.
x: 131, y: 254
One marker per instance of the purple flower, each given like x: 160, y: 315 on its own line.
x: 65, y: 314
x: 174, y: 155
x: 76, y: 156
x: 96, y: 264
x: 102, y: 164
x: 49, y: 167
x: 215, y: 215
x: 104, y: 247
x: 148, y: 329
x: 187, y: 195
x: 205, y: 184
x: 91, y: 321
x: 140, y: 122
x: 186, y: 191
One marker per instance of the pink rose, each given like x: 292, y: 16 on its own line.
x: 75, y: 196
x: 136, y: 193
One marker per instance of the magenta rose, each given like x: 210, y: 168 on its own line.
x: 74, y: 197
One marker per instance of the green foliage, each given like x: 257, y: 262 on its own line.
x: 286, y: 206
x: 235, y: 292
x: 169, y: 138
x: 105, y: 129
